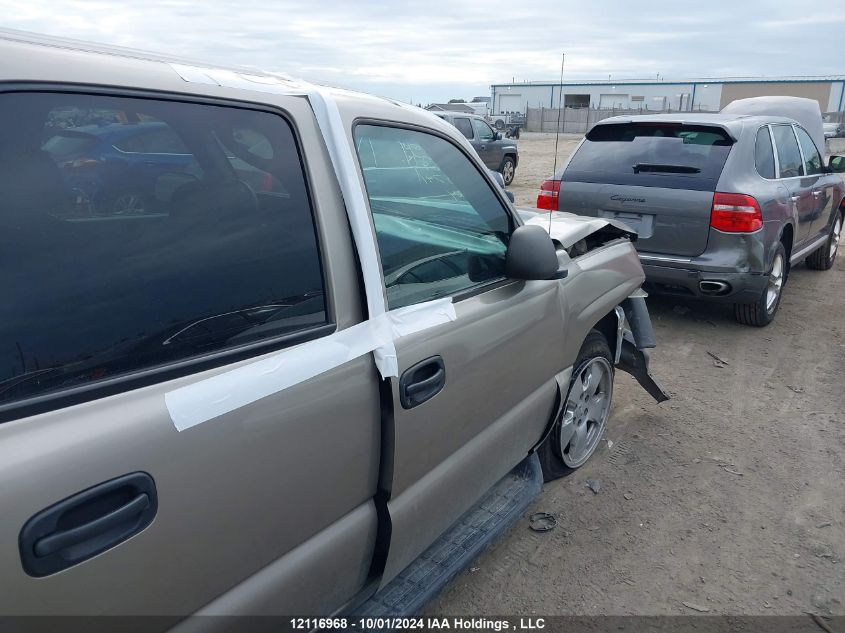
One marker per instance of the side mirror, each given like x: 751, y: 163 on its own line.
x: 531, y: 255
x: 509, y: 195
x: 497, y: 136
x: 837, y: 164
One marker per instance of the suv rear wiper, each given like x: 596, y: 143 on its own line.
x: 672, y: 169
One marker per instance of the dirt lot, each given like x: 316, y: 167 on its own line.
x: 730, y: 497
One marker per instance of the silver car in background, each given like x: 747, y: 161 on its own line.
x: 723, y: 203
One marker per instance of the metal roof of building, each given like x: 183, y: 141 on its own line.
x: 670, y: 82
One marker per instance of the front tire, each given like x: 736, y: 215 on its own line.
x: 823, y: 258
x: 762, y: 312
x: 586, y: 407
x: 508, y: 170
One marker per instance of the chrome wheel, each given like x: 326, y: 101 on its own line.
x: 775, y: 283
x: 835, y: 234
x: 585, y: 411
x: 508, y: 172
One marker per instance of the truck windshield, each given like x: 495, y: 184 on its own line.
x: 670, y: 155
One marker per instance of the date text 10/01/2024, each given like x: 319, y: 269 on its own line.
x: 415, y: 623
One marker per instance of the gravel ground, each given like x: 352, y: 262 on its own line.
x: 730, y: 497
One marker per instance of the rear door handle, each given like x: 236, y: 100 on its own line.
x: 795, y: 198
x: 88, y: 523
x: 817, y: 193
x: 422, y: 382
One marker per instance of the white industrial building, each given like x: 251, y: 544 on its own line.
x: 647, y: 94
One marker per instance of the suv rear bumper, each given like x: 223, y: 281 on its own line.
x: 686, y: 280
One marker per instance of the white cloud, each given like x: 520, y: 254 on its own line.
x: 431, y: 52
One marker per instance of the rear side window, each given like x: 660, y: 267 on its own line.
x: 140, y: 233
x: 764, y: 157
x: 464, y: 126
x: 669, y: 155
x: 789, y: 156
x: 812, y: 159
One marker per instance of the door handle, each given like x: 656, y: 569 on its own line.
x: 422, y: 382
x: 795, y: 198
x: 61, y: 540
x: 817, y: 193
x: 87, y: 523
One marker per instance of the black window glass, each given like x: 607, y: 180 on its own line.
x: 440, y: 227
x: 669, y: 155
x: 764, y: 157
x: 789, y: 156
x: 464, y: 126
x: 813, y: 164
x: 136, y: 233
x: 483, y: 131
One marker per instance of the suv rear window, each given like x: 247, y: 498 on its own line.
x: 140, y: 233
x: 669, y: 155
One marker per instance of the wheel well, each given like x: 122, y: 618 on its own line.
x: 607, y: 325
x: 786, y: 239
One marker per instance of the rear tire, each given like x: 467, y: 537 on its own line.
x: 823, y: 258
x: 762, y: 312
x: 586, y: 407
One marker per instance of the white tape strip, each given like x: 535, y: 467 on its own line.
x: 343, y: 160
x: 210, y: 398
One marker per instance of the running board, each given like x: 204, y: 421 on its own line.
x: 813, y: 246
x: 497, y: 510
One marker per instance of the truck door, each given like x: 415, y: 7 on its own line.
x: 489, y: 149
x: 475, y: 394
x: 115, y: 500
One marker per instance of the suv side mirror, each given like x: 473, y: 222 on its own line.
x: 497, y: 136
x: 532, y: 255
x: 837, y: 164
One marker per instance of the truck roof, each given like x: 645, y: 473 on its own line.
x: 29, y: 57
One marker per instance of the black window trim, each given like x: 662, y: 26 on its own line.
x: 481, y: 287
x: 157, y: 374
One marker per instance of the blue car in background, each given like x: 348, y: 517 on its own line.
x: 116, y: 169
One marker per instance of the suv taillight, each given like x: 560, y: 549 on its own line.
x: 548, y: 196
x: 735, y: 213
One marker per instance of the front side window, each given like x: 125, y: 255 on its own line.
x: 483, y: 131
x: 789, y: 156
x: 813, y: 164
x: 140, y: 233
x: 764, y: 157
x: 440, y: 228
x: 464, y: 126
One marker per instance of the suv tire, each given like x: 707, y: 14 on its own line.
x: 762, y: 312
x: 823, y: 258
x: 584, y: 412
x: 508, y: 170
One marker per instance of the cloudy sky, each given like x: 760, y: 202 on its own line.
x: 433, y: 51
